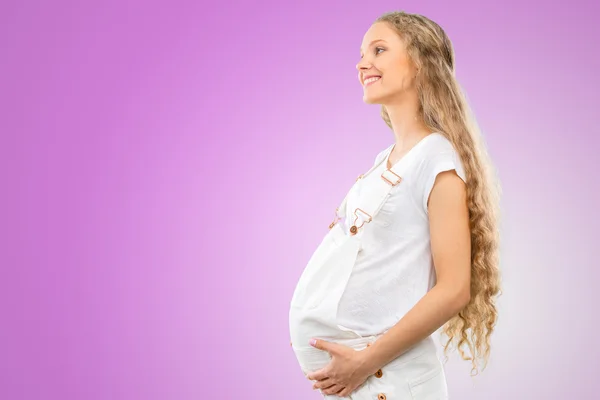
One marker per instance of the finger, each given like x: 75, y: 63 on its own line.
x: 318, y: 375
x: 323, y: 384
x: 347, y: 391
x: 319, y: 344
x: 335, y: 389
x: 330, y: 347
x: 344, y: 392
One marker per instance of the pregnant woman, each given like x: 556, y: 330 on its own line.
x: 414, y: 244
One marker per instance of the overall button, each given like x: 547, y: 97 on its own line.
x: 379, y: 373
x: 353, y: 229
x: 381, y: 396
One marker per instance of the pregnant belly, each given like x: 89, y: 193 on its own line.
x: 306, y: 324
x: 310, y: 358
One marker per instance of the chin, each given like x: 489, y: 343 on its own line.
x: 371, y: 99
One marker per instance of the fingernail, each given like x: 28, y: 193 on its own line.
x: 313, y: 342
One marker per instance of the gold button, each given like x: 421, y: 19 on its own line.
x: 381, y: 396
x: 379, y: 373
x: 353, y: 229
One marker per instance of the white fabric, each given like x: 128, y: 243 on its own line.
x: 395, y: 268
x: 315, y: 301
x: 359, y: 285
x: 417, y: 374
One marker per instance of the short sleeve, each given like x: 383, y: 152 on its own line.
x: 435, y: 164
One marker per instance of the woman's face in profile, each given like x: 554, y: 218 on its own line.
x: 385, y: 70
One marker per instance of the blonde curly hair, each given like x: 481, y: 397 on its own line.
x: 444, y: 109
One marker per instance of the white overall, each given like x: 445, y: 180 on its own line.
x: 418, y: 373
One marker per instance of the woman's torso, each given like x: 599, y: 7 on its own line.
x: 392, y: 268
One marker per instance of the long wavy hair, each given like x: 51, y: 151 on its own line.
x: 444, y: 109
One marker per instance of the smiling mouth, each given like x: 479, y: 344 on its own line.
x: 370, y: 81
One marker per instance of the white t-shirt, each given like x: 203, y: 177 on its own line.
x: 394, y: 269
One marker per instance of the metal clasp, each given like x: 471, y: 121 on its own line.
x: 397, y: 178
x: 335, y: 219
x: 354, y: 228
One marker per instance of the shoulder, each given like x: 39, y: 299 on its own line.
x: 438, y: 143
x: 439, y: 156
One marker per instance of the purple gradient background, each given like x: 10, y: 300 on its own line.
x: 169, y: 167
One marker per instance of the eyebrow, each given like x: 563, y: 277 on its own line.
x: 375, y: 41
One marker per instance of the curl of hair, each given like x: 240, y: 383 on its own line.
x: 444, y: 109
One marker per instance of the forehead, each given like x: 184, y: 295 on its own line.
x: 380, y: 31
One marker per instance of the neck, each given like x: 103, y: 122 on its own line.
x: 407, y: 126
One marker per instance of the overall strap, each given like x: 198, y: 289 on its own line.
x: 377, y: 196
x: 340, y: 211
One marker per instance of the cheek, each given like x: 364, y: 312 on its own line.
x: 399, y: 82
x: 398, y: 74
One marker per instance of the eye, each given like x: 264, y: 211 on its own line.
x: 376, y: 51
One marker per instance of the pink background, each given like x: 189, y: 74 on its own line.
x: 169, y: 167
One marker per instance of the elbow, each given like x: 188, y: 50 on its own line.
x: 457, y: 298
x: 457, y: 294
x: 462, y: 298
x: 467, y: 297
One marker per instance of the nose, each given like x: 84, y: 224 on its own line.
x: 363, y: 64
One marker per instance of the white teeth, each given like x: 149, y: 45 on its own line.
x: 373, y: 79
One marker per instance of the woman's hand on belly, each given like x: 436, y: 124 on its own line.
x: 346, y: 371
